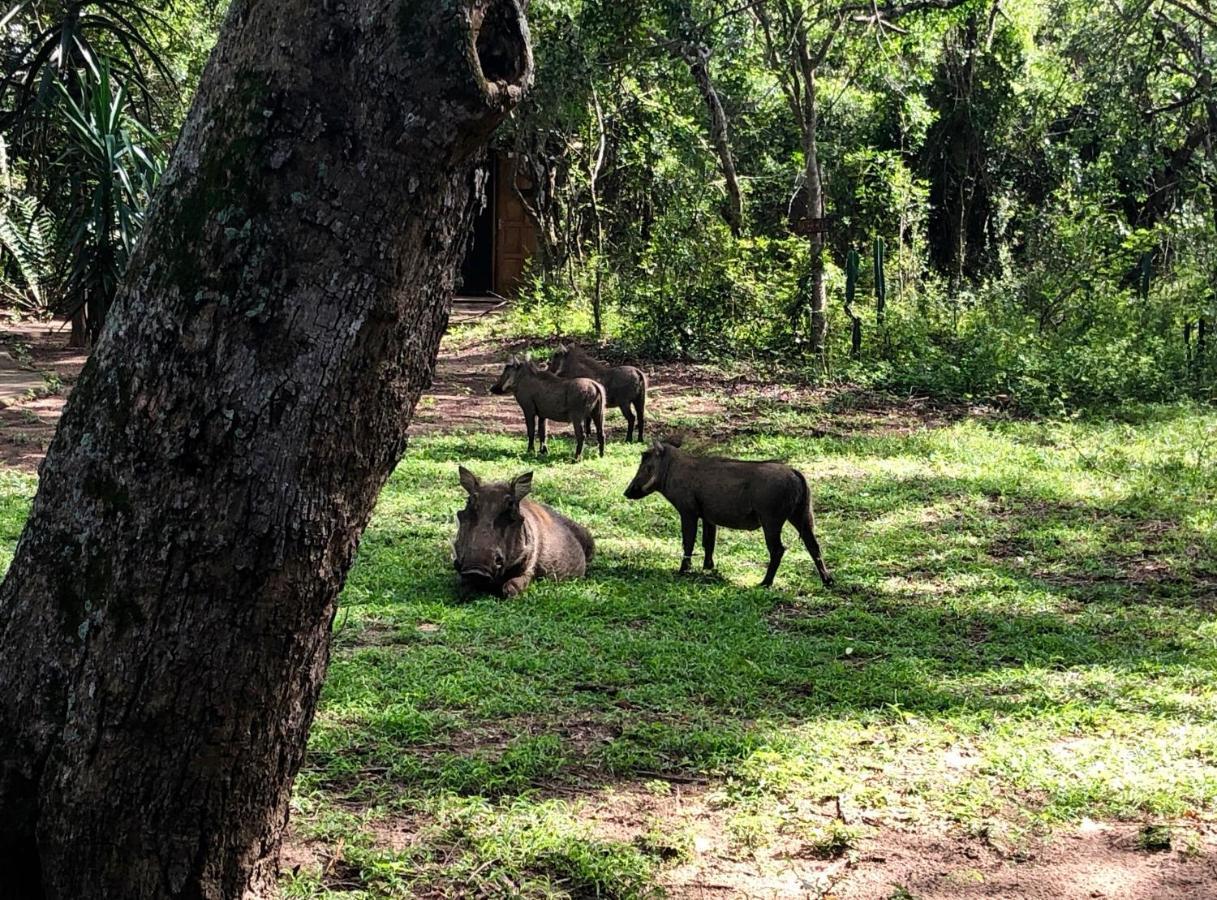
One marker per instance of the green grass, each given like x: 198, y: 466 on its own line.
x: 16, y: 493
x: 1022, y: 634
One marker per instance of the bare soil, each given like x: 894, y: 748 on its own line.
x: 37, y: 371
x: 894, y: 863
x: 1094, y: 861
x: 721, y: 403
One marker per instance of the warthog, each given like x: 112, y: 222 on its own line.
x: 504, y: 541
x: 624, y: 386
x: 732, y: 493
x: 544, y: 395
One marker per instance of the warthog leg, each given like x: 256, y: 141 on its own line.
x: 688, y: 537
x: 544, y: 439
x: 808, y: 534
x: 773, y: 540
x: 515, y: 586
x: 578, y: 423
x: 629, y: 421
x: 709, y: 531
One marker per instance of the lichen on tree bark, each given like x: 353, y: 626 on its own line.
x: 164, y: 626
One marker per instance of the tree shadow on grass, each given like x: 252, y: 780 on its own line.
x: 953, y: 605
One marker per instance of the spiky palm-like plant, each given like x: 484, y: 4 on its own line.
x: 111, y: 175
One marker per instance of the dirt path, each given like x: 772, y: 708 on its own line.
x: 460, y: 398
x: 1094, y: 861
x: 37, y: 371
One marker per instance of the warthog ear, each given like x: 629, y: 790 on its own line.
x: 521, y: 485
x: 562, y: 348
x: 656, y: 445
x: 469, y: 481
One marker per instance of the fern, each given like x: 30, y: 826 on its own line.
x: 30, y: 275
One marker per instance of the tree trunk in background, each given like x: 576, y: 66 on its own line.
x: 1210, y: 109
x: 697, y: 57
x: 164, y: 626
x: 818, y: 301
x: 78, y: 338
x: 791, y: 57
x: 594, y: 172
x: 953, y: 149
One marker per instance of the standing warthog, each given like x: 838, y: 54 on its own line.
x: 544, y: 395
x: 504, y: 541
x: 624, y: 386
x: 733, y: 493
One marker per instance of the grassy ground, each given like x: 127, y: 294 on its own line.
x: 1022, y: 635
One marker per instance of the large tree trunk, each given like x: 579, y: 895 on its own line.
x: 164, y: 626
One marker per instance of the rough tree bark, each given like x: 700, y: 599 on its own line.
x: 164, y: 626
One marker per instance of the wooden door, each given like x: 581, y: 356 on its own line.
x: 515, y: 240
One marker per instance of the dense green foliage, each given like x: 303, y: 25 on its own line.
x: 1041, y: 174
x: 92, y: 97
x: 1039, y: 178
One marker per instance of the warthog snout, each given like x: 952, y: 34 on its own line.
x: 507, y: 378
x: 483, y: 570
x: 646, y: 480
x: 635, y: 490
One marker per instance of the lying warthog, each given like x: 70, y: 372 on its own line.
x: 624, y: 386
x: 504, y: 541
x: 544, y: 395
x: 732, y: 493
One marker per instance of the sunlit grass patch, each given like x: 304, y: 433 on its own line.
x: 16, y: 494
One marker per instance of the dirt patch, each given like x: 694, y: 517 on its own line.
x: 708, y: 856
x: 1093, y: 861
x: 37, y: 371
x: 705, y: 853
x: 707, y: 401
